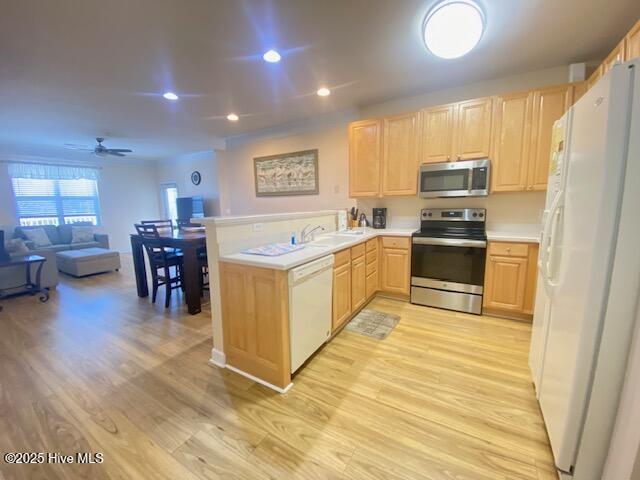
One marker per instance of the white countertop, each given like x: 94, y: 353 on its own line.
x: 528, y: 233
x: 310, y: 251
x: 514, y: 232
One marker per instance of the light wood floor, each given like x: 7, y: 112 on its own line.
x: 445, y: 396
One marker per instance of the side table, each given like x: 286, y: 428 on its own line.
x: 31, y: 287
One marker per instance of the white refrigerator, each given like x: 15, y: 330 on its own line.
x: 589, y: 271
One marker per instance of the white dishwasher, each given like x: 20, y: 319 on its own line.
x: 309, y: 308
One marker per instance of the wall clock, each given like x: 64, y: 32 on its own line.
x: 196, y: 178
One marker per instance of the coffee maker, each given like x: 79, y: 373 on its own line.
x: 379, y: 218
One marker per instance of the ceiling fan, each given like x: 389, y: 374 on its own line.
x: 99, y: 150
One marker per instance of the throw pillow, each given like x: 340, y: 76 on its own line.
x: 81, y: 234
x: 16, y: 246
x: 38, y: 236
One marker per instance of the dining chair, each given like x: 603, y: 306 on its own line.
x: 202, y: 256
x: 164, y: 226
x: 161, y: 224
x: 160, y: 262
x: 182, y: 224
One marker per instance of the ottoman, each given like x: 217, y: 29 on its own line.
x: 87, y: 261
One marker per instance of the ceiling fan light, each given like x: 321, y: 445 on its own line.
x: 453, y: 28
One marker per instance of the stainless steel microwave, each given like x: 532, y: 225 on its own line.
x: 467, y: 178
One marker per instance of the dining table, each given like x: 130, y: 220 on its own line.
x: 190, y: 243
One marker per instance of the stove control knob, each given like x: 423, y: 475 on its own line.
x: 481, y: 215
x: 475, y: 214
x: 430, y: 214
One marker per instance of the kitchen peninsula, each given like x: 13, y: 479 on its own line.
x: 252, y: 314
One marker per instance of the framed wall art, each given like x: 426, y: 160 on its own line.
x: 293, y: 173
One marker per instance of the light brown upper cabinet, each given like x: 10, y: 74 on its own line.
x: 627, y: 49
x: 472, y: 133
x: 511, y: 141
x: 364, y: 158
x: 616, y: 55
x: 632, y: 40
x: 522, y: 137
x: 400, y: 155
x: 594, y: 77
x: 458, y: 131
x: 549, y: 104
x: 579, y: 89
x: 437, y: 133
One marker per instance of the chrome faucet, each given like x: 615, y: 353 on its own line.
x: 304, y: 235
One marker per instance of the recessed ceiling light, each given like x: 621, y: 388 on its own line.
x: 170, y: 96
x: 323, y: 92
x: 453, y: 28
x: 232, y: 117
x: 271, y: 56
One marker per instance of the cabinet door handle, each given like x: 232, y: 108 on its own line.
x: 459, y: 157
x: 448, y: 157
x: 509, y: 250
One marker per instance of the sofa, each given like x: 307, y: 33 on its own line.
x: 60, y: 238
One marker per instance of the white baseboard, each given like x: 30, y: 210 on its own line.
x: 218, y: 358
x: 260, y: 381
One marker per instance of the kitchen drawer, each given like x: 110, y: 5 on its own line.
x: 372, y: 267
x: 396, y: 242
x: 341, y: 258
x: 372, y: 245
x: 508, y: 249
x: 372, y: 257
x: 357, y: 251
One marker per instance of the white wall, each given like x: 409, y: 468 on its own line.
x: 128, y: 194
x: 179, y: 170
x: 238, y: 192
x: 502, y: 208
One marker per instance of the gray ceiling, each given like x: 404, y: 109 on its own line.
x: 71, y: 70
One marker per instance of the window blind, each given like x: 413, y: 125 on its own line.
x: 55, y: 196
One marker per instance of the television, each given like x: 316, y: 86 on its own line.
x: 190, y: 207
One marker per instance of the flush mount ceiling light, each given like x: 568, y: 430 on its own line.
x: 453, y: 28
x: 232, y: 117
x: 323, y: 92
x: 170, y: 96
x: 271, y: 56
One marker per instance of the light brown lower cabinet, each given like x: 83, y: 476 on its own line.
x: 355, y: 280
x: 358, y: 279
x: 341, y: 289
x: 395, y: 265
x: 372, y: 282
x: 510, y: 278
x: 255, y: 321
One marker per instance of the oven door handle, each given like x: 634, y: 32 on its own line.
x: 449, y: 242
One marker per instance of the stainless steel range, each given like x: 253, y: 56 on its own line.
x: 448, y: 258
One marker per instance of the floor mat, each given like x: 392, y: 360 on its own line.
x: 373, y: 323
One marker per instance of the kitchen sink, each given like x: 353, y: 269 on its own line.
x: 331, y: 240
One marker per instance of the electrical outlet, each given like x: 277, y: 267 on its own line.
x: 258, y: 227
